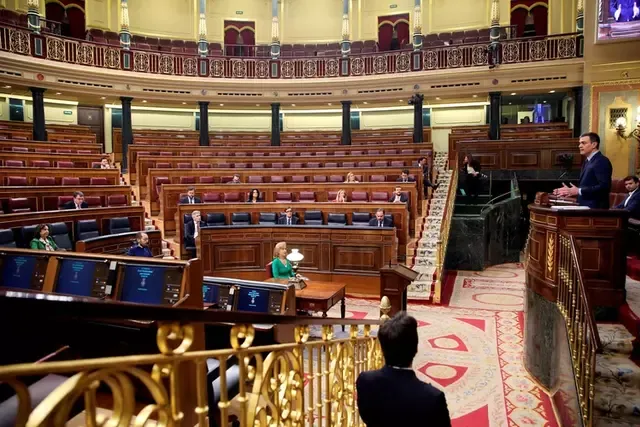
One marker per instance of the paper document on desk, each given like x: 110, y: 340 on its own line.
x: 570, y: 208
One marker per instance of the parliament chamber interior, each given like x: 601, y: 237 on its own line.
x: 216, y: 213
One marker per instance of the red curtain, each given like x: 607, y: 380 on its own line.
x: 538, y: 8
x: 247, y: 30
x: 386, y: 25
x: 74, y: 22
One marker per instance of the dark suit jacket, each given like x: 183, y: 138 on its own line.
x: 71, y: 205
x: 403, y: 198
x: 595, y: 182
x: 185, y: 200
x: 189, y: 231
x: 410, y: 179
x: 396, y: 397
x: 283, y: 220
x: 633, y: 205
x: 374, y: 222
x: 137, y: 250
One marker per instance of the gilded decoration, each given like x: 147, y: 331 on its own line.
x: 288, y: 69
x: 510, y: 52
x: 403, y: 62
x: 567, y: 48
x: 538, y: 50
x: 431, y: 60
x: 20, y: 42
x: 357, y: 66
x: 239, y: 69
x: 166, y: 64
x: 551, y: 253
x: 217, y: 68
x: 55, y: 49
x: 112, y: 58
x: 479, y: 56
x: 332, y: 68
x: 190, y: 67
x: 309, y: 68
x: 85, y: 54
x: 454, y: 57
x: 141, y: 62
x: 262, y: 69
x: 380, y: 64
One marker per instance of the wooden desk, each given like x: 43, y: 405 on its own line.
x: 46, y: 198
x: 34, y: 146
x: 85, y: 175
x: 321, y: 296
x: 79, y: 160
x: 119, y: 244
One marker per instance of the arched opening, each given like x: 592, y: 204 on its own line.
x: 70, y: 15
x: 530, y: 17
x: 393, y: 32
x: 239, y: 38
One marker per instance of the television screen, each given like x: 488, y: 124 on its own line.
x: 252, y: 299
x: 23, y: 271
x: 618, y: 20
x: 143, y: 284
x: 210, y: 294
x: 87, y: 278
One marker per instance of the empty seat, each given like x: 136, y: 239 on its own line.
x: 158, y: 181
x: 240, y: 165
x: 62, y: 200
x: 59, y: 232
x: 313, y: 164
x: 257, y: 165
x: 186, y: 153
x: 339, y: 153
x: 215, y: 219
x: 184, y: 165
x: 240, y: 218
x: 349, y: 164
x: 206, y: 180
x: 397, y: 163
x: 187, y: 180
x: 359, y: 196
x: 256, y: 180
x: 70, y: 180
x: 117, y: 200
x: 19, y: 204
x: 381, y: 164
x: 16, y: 181
x: 373, y: 152
x: 232, y: 197
x: 43, y: 150
x: 163, y: 165
x: 93, y: 201
x: 313, y: 217
x: 364, y: 164
x: 211, y: 198
x: 6, y: 239
x: 267, y: 218
x: 119, y: 225
x: 65, y: 164
x: 295, y: 178
x: 20, y: 149
x: 277, y: 165
x: 360, y: 218
x: 336, y: 178
x: 27, y: 233
x: 283, y: 196
x: 295, y: 165
x: 319, y: 178
x: 277, y: 179
x: 390, y: 151
x: 307, y: 196
x: 331, y: 165
x: 42, y: 181
x: 166, y: 153
x: 203, y: 165
x: 379, y: 196
x: 98, y: 181
x: 337, y: 219
x: 14, y: 163
x: 378, y: 178
x: 87, y: 229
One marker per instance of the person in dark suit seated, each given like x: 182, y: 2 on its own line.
x: 254, y: 196
x: 190, y: 198
x: 595, y: 177
x: 404, y: 177
x: 191, y: 232
x: 42, y: 241
x: 393, y: 395
x: 632, y: 202
x: 398, y: 196
x: 424, y: 164
x: 77, y: 202
x: 288, y: 219
x: 235, y: 180
x: 141, y: 247
x: 380, y: 220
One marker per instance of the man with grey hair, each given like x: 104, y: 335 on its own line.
x: 192, y: 231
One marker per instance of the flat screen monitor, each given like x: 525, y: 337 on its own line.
x: 150, y: 284
x: 82, y: 277
x: 618, y: 20
x: 217, y: 294
x: 23, y: 271
x: 210, y: 294
x: 252, y: 299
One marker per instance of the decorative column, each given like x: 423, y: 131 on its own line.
x: 33, y: 15
x: 346, y: 122
x: 580, y: 17
x: 275, y: 124
x: 275, y: 36
x: 39, y: 130
x: 495, y: 101
x: 577, y: 111
x: 416, y: 100
x: 494, y: 34
x: 125, y: 35
x: 127, y: 131
x: 346, y: 42
x: 417, y: 26
x: 203, y: 46
x: 204, y: 123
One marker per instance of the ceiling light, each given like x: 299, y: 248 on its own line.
x: 58, y: 93
x: 257, y: 105
x: 544, y: 102
x: 437, y: 98
x: 513, y: 93
x: 400, y: 100
x: 144, y: 101
x: 103, y: 97
x: 184, y: 103
x: 293, y: 105
x: 7, y: 87
x: 475, y: 96
x: 365, y: 102
x: 510, y: 103
x: 222, y: 105
x: 552, y: 91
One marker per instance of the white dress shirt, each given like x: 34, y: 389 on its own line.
x: 629, y: 198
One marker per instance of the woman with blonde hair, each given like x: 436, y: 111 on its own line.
x: 280, y: 266
x: 341, y: 197
x: 351, y: 178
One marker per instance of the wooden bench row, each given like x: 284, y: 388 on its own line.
x: 49, y: 160
x: 454, y: 139
x: 47, y: 198
x: 31, y: 146
x: 28, y: 177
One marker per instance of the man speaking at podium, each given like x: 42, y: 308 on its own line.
x: 595, y: 177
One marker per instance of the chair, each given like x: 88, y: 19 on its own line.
x: 381, y: 164
x: 295, y: 165
x: 42, y: 181
x: 380, y: 196
x: 215, y: 219
x: 117, y: 200
x: 27, y: 233
x: 65, y: 164
x: 364, y: 164
x: 87, y: 229
x: 360, y: 219
x: 378, y: 178
x: 277, y: 165
x: 17, y: 181
x: 240, y: 218
x: 269, y: 270
x: 331, y: 165
x: 63, y: 200
x: 43, y: 150
x: 70, y: 180
x: 206, y: 180
x: 163, y: 165
x: 313, y: 164
x: 59, y: 232
x: 211, y: 198
x: 93, y: 201
x: 14, y: 163
x: 119, y: 225
x: 359, y: 196
x: 232, y: 197
x: 240, y: 165
x: 337, y: 219
x: 348, y: 164
x: 255, y: 180
x: 397, y: 163
x: 331, y: 195
x: 6, y: 239
x: 158, y: 181
x: 313, y: 217
x: 276, y: 179
x: 98, y: 181
x: 184, y: 165
x: 373, y: 152
x: 187, y: 180
x: 319, y: 178
x: 267, y: 218
x: 257, y: 166
x: 203, y: 165
x: 19, y: 204
x: 336, y: 178
x: 283, y: 196
x: 307, y: 196
x: 390, y: 151
x: 20, y: 149
x: 390, y: 218
x: 295, y: 178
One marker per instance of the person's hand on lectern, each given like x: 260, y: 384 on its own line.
x: 565, y: 191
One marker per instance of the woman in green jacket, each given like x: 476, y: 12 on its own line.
x: 41, y: 239
x: 280, y: 266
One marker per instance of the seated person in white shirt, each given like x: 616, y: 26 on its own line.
x: 288, y: 218
x: 404, y: 177
x: 77, y: 202
x: 190, y: 198
x: 398, y: 196
x: 191, y: 232
x: 380, y: 221
x: 631, y: 203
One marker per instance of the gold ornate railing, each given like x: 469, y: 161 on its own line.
x: 305, y: 382
x: 443, y: 238
x: 584, y: 341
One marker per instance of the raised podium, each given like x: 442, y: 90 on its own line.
x: 394, y: 280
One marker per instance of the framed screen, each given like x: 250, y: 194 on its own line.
x: 618, y: 20
x: 150, y: 284
x: 82, y: 277
x: 23, y: 271
x: 253, y: 299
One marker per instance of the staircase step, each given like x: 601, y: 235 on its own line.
x: 611, y: 422
x: 618, y: 369
x: 618, y: 402
x: 615, y: 338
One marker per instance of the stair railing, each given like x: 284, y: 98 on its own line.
x: 584, y: 341
x: 443, y: 238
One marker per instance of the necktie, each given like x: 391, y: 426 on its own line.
x: 288, y: 221
x: 627, y: 200
x: 77, y: 206
x: 190, y: 200
x: 380, y: 224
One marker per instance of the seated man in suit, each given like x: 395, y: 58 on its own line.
x: 288, y: 219
x: 191, y: 232
x: 190, y: 198
x: 393, y: 395
x: 380, y: 220
x: 595, y: 176
x: 236, y: 179
x: 632, y: 201
x: 77, y: 202
x: 398, y: 196
x: 141, y: 247
x: 404, y: 177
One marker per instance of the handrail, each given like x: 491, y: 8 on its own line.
x: 443, y: 238
x: 584, y: 340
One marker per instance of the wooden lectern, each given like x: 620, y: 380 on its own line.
x: 394, y: 280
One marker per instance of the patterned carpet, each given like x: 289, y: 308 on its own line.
x: 473, y: 350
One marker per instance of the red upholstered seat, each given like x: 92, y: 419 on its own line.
x: 290, y: 153
x: 321, y: 153
x: 211, y: 198
x: 61, y: 151
x: 83, y: 151
x: 307, y: 196
x: 348, y: 164
x: 186, y: 153
x: 364, y: 164
x: 14, y: 163
x: 298, y: 178
x: 378, y: 178
x: 397, y: 163
x: 331, y: 195
x: 184, y: 165
x: 255, y: 180
x: 295, y: 165
x: 313, y: 164
x: 277, y: 165
x: 166, y: 153
x: 41, y: 164
x: 359, y: 196
x: 276, y: 154
x: 158, y: 181
x: 187, y: 180
x: 93, y: 201
x: 390, y: 151
x: 43, y: 150
x: 163, y: 165
x: 70, y: 180
x: 257, y: 165
x: 356, y: 153
x: 63, y: 199
x: 98, y: 181
x: 206, y: 180
x: 407, y: 151
x: 20, y: 204
x: 257, y: 154
x: 283, y: 196
x: 372, y: 152
x: 65, y: 164
x: 336, y: 178
x: 223, y: 165
x: 617, y: 186
x: 319, y: 178
x: 117, y: 200
x: 232, y: 197
x: 240, y: 165
x: 339, y: 153
x: 617, y: 198
x: 42, y: 181
x: 20, y: 149
x: 381, y: 164
x: 379, y: 196
x: 226, y: 179
x: 276, y: 179
x: 203, y: 165
x: 331, y: 165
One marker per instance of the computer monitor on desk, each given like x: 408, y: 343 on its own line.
x: 22, y: 271
x: 244, y: 295
x: 83, y: 277
x: 149, y: 284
